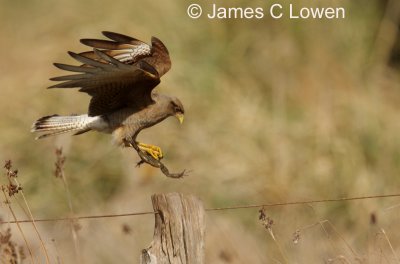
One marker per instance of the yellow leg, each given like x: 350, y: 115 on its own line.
x: 154, y: 151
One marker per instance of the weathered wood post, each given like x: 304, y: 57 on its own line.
x: 179, y: 230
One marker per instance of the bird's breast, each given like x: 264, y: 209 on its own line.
x: 127, y: 123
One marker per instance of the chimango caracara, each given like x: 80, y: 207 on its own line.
x: 120, y: 75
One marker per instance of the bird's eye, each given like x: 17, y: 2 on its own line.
x: 177, y: 109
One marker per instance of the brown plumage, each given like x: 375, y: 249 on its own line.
x: 119, y: 74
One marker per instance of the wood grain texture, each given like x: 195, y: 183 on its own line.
x: 179, y: 230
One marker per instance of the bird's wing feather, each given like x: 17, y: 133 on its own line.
x: 126, y: 49
x: 130, y: 50
x: 112, y: 84
x: 159, y: 58
x: 118, y: 37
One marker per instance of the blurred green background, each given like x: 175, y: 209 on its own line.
x: 276, y: 110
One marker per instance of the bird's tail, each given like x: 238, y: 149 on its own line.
x: 55, y: 124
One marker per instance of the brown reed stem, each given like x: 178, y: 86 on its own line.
x: 33, y: 223
x: 18, y: 225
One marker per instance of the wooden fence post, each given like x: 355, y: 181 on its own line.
x: 179, y: 230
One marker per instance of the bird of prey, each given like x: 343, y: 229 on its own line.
x: 120, y: 75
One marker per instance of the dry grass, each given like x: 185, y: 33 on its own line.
x: 276, y: 110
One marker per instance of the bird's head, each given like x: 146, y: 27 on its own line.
x: 176, y: 109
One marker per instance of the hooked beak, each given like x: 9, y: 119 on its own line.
x: 180, y: 117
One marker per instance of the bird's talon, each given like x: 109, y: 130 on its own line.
x: 154, y: 151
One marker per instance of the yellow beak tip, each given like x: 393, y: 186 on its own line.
x: 180, y: 118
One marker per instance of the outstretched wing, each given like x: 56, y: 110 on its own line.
x: 111, y: 83
x: 119, y: 72
x: 129, y: 50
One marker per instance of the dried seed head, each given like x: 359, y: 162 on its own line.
x: 9, y: 251
x: 8, y: 164
x: 262, y: 215
x: 296, y: 236
x: 266, y: 221
x: 13, y: 187
x: 5, y: 236
x: 14, y: 173
x: 9, y: 172
x: 60, y: 160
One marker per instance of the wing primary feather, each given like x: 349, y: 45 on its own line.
x: 110, y: 59
x: 87, y: 61
x: 69, y: 77
x: 119, y: 37
x: 88, y: 54
x: 67, y: 84
x: 148, y: 69
x: 160, y: 56
x: 100, y: 44
x: 156, y: 43
x: 105, y: 57
x: 73, y: 68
